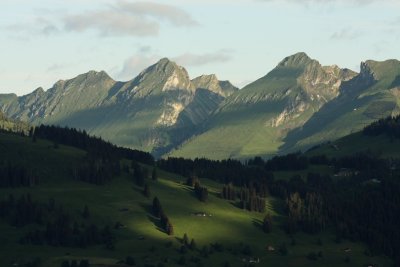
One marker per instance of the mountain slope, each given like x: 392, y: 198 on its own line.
x: 372, y: 94
x: 153, y: 112
x: 253, y: 121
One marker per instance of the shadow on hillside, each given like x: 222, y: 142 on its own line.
x: 150, y: 217
x: 257, y: 223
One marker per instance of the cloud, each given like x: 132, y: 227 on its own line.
x: 118, y: 18
x: 189, y: 59
x: 346, y: 34
x: 138, y: 62
x: 126, y: 18
x: 36, y: 26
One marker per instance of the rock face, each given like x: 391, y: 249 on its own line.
x: 143, y: 113
x: 211, y: 83
x: 298, y: 104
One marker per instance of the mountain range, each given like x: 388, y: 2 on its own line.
x: 298, y: 104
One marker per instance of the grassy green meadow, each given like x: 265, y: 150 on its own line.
x: 121, y: 201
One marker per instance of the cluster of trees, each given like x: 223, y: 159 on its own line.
x: 97, y: 170
x: 289, y: 162
x: 16, y: 175
x: 82, y: 140
x: 158, y: 212
x: 389, y: 126
x: 369, y: 212
x: 362, y: 207
x: 201, y: 192
x: 54, y: 226
x: 228, y: 192
x: 67, y: 233
x: 307, y: 213
x: 224, y: 171
x: 188, y: 245
x: 248, y: 199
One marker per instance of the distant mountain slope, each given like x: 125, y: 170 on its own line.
x: 16, y: 126
x: 253, y: 120
x: 372, y: 94
x: 152, y: 112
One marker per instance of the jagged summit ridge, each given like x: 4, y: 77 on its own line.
x: 296, y: 60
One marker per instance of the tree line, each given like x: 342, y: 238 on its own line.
x: 362, y: 207
x: 54, y: 226
x: 81, y: 139
x: 389, y: 126
x: 16, y: 175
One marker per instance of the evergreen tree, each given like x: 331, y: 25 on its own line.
x: 169, y: 228
x: 192, y: 245
x: 156, y: 208
x: 154, y: 175
x: 185, y: 240
x: 146, y: 190
x: 267, y: 223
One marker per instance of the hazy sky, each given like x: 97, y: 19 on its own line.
x: 43, y: 41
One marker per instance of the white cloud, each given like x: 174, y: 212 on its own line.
x: 190, y: 59
x: 127, y: 18
x: 346, y: 34
x: 135, y: 64
x: 117, y: 18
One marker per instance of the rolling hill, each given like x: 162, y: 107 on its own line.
x: 231, y: 235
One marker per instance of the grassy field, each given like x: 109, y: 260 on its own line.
x: 121, y: 201
x: 380, y: 145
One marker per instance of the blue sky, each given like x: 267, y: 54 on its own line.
x: 43, y: 41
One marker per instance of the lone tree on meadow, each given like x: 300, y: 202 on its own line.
x: 156, y: 208
x: 267, y: 223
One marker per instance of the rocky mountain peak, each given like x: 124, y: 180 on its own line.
x: 365, y: 69
x: 38, y: 91
x: 165, y: 75
x: 211, y: 83
x: 300, y: 59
